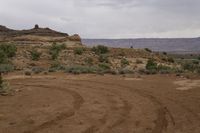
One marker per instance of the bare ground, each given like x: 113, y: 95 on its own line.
x: 60, y: 103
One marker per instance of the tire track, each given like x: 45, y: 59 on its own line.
x: 161, y: 122
x: 78, y: 101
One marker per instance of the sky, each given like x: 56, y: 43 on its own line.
x: 106, y: 18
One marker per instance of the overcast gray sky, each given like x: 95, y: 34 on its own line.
x: 106, y: 18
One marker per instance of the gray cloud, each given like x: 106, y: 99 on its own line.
x: 106, y: 18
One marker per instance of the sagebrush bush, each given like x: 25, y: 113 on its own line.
x: 124, y: 62
x: 77, y: 69
x: 55, y: 49
x: 148, y: 50
x: 1, y: 81
x: 125, y: 71
x: 37, y: 70
x: 4, y: 68
x: 79, y: 50
x: 171, y: 60
x: 4, y: 87
x: 35, y: 55
x: 27, y: 73
x: 3, y: 57
x: 103, y: 58
x: 151, y: 65
x: 89, y: 61
x: 104, y: 66
x: 9, y: 49
x: 100, y: 49
x: 56, y: 66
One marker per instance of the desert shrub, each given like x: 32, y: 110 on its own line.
x: 165, y: 53
x: 139, y: 61
x: 4, y: 87
x: 188, y: 66
x: 9, y: 49
x: 164, y: 69
x: 100, y: 49
x: 104, y: 66
x: 79, y: 50
x: 148, y: 50
x: 125, y: 71
x: 55, y: 49
x: 151, y: 65
x: 89, y: 61
x: 4, y: 68
x: 3, y: 57
x: 35, y: 55
x: 77, y: 69
x: 56, y: 66
x: 1, y: 81
x: 196, y: 62
x: 124, y: 62
x: 171, y: 60
x: 103, y: 58
x: 37, y: 70
x: 27, y: 73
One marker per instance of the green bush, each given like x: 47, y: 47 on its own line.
x: 170, y: 59
x: 27, y: 73
x: 89, y: 61
x: 4, y: 68
x: 55, y: 49
x: 164, y: 69
x: 1, y: 81
x: 104, y: 66
x: 56, y: 66
x: 37, y: 70
x: 9, y: 49
x: 148, y: 50
x: 124, y: 62
x: 77, y: 69
x: 103, y: 58
x: 165, y: 53
x: 126, y: 71
x: 4, y: 87
x: 151, y: 65
x: 100, y: 49
x: 35, y: 55
x: 79, y: 51
x: 3, y: 57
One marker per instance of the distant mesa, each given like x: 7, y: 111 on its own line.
x: 37, y: 34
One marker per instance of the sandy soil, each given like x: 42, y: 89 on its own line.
x: 61, y: 103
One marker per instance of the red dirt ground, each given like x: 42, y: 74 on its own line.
x: 60, y: 103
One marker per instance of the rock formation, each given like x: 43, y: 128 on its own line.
x: 35, y: 34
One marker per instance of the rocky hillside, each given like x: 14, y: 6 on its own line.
x: 36, y: 35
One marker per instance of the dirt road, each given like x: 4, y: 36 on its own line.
x: 100, y: 104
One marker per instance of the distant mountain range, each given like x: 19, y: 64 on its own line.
x: 174, y: 45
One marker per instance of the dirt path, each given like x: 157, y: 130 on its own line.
x: 99, y: 104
